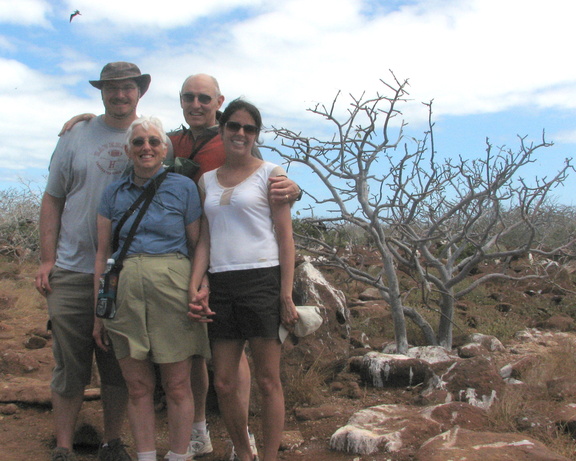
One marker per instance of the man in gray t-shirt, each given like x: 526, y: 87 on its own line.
x: 85, y: 161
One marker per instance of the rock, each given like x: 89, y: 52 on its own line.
x: 330, y: 343
x: 35, y: 342
x: 6, y: 331
x: 475, y: 381
x: 430, y: 354
x: 17, y: 363
x: 385, y: 428
x: 370, y: 294
x: 530, y: 419
x: 471, y: 350
x: 558, y: 323
x: 460, y: 414
x: 387, y: 370
x: 40, y: 331
x: 25, y: 390
x: 517, y: 369
x: 491, y: 343
x: 562, y: 388
x: 462, y: 444
x: 291, y: 440
x: 359, y: 339
x: 401, y: 428
x: 503, y: 307
x: 10, y: 409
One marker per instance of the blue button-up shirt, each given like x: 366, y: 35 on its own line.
x: 163, y: 227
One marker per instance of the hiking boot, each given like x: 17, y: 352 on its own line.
x: 115, y: 450
x: 233, y: 456
x: 200, y: 444
x: 63, y: 454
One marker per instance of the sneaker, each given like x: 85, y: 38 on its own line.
x: 63, y: 454
x: 187, y: 457
x: 233, y: 456
x: 114, y: 451
x: 200, y: 444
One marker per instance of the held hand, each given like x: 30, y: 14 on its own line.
x: 202, y: 295
x: 100, y: 334
x: 200, y: 313
x: 282, y: 189
x: 199, y: 310
x: 74, y: 120
x: 288, y: 314
x: 41, y: 280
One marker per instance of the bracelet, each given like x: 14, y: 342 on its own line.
x: 300, y: 194
x: 205, y: 286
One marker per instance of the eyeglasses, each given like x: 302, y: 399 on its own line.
x: 118, y: 89
x: 202, y: 98
x: 153, y: 142
x: 248, y: 129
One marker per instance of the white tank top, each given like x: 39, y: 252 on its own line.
x: 241, y: 229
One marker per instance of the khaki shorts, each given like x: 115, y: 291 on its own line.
x: 71, y: 311
x: 151, y: 321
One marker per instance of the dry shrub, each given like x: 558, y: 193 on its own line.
x: 529, y: 407
x: 19, y: 283
x: 558, y: 362
x: 303, y: 386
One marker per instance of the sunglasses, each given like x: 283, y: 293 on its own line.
x: 139, y: 142
x: 202, y: 98
x: 248, y: 129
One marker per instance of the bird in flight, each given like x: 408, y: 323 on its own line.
x: 76, y: 13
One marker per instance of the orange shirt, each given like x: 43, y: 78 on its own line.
x: 210, y: 155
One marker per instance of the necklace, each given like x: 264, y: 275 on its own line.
x: 142, y: 177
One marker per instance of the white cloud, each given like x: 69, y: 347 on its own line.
x: 24, y: 12
x: 470, y: 56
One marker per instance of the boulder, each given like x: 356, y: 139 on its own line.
x: 464, y: 445
x: 476, y: 381
x: 330, y: 342
x: 490, y: 343
x: 401, y: 428
x: 388, y: 370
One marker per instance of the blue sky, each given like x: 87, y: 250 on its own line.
x: 494, y: 68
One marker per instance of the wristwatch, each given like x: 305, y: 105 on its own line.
x: 301, y: 194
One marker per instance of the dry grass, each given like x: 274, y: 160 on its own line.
x: 304, y: 385
x: 533, y: 403
x: 17, y: 289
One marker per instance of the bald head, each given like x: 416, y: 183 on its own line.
x: 200, y: 100
x: 205, y: 79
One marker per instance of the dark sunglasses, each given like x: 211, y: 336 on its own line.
x: 248, y: 129
x: 202, y: 98
x: 139, y: 142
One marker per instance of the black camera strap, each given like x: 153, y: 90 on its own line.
x: 146, y: 196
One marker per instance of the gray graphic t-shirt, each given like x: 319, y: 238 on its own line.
x: 85, y: 161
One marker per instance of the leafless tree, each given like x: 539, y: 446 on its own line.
x: 437, y: 220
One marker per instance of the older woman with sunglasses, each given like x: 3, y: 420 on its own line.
x: 247, y: 247
x: 151, y: 325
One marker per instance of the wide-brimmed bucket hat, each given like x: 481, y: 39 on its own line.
x: 122, y: 71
